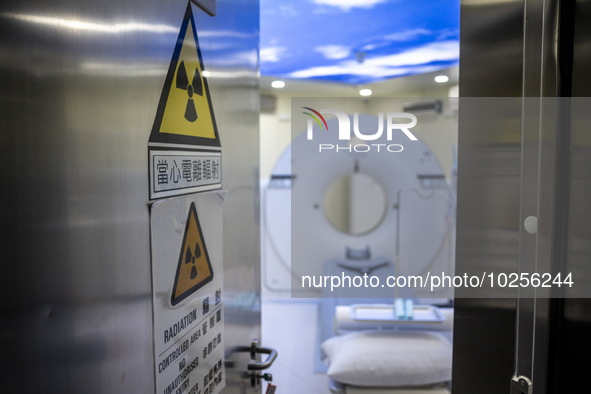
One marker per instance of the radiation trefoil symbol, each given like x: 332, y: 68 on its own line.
x: 194, y: 268
x: 193, y: 87
x: 191, y: 257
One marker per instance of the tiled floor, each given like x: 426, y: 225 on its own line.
x: 290, y: 327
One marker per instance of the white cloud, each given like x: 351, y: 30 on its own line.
x: 401, y: 36
x: 346, y: 5
x: 407, y: 35
x: 371, y: 47
x: 333, y: 51
x: 447, y: 34
x: 443, y: 50
x: 272, y: 54
x: 413, y: 60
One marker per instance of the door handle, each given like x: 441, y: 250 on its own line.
x: 261, y: 365
x: 255, y: 349
x: 253, y: 366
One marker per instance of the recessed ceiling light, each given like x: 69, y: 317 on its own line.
x: 365, y: 92
x: 277, y: 84
x: 206, y: 74
x: 441, y: 78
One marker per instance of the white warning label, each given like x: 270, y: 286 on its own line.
x: 193, y: 362
x: 187, y: 285
x: 175, y: 173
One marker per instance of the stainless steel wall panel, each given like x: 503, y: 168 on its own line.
x: 574, y: 344
x: 79, y: 88
x: 491, y: 48
x: 78, y: 286
x: 551, y: 332
x: 491, y: 45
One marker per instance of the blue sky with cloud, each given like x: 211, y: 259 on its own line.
x: 325, y: 39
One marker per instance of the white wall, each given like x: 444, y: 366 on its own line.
x: 276, y: 127
x: 438, y: 131
x: 275, y: 134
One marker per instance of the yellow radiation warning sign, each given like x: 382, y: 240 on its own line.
x: 194, y: 267
x: 184, y: 149
x: 185, y: 112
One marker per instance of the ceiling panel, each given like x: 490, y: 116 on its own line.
x: 357, y: 41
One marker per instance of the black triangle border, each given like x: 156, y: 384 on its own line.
x: 156, y: 135
x: 176, y: 300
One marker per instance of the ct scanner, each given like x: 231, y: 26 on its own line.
x: 399, y: 220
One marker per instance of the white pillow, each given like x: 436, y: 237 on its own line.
x: 389, y: 359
